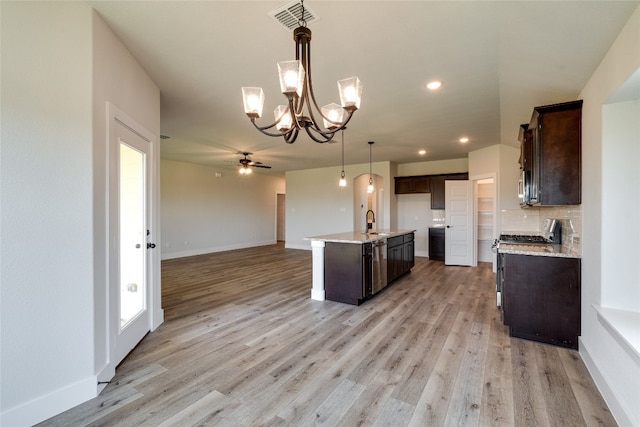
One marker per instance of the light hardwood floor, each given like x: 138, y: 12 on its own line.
x: 244, y: 345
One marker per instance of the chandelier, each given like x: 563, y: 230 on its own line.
x: 296, y: 85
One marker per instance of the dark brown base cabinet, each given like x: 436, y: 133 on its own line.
x: 400, y: 256
x: 541, y: 298
x: 436, y: 244
x: 348, y: 267
x: 347, y: 272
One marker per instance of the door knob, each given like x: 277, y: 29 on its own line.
x: 137, y: 245
x: 151, y: 245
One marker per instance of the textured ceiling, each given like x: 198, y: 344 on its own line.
x: 497, y: 61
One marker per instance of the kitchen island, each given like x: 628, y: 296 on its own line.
x: 351, y: 267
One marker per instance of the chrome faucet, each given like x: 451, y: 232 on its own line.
x: 369, y: 225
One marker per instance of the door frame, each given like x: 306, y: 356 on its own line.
x: 496, y: 203
x: 155, y: 314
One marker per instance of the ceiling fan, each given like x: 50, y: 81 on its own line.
x: 246, y: 164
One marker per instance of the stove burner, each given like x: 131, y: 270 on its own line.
x: 522, y: 238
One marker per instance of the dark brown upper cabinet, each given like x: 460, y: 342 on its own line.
x: 551, y: 155
x: 433, y: 184
x: 412, y: 184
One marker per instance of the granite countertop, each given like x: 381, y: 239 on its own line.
x: 359, y: 237
x: 537, y: 249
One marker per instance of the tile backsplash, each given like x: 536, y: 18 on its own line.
x: 531, y: 220
x: 571, y: 217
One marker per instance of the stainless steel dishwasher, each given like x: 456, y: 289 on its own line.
x: 379, y: 265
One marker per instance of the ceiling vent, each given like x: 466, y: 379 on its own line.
x: 289, y: 15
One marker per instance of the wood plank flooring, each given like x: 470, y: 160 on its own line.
x: 244, y: 345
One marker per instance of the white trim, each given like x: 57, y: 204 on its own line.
x: 623, y: 327
x: 50, y: 404
x: 215, y: 249
x: 317, y: 270
x: 155, y: 313
x: 305, y: 247
x: 615, y: 405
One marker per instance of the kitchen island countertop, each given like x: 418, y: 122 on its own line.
x: 359, y: 237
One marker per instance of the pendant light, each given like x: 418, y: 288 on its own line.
x: 343, y: 180
x: 370, y: 186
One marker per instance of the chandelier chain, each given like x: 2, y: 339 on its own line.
x: 302, y: 22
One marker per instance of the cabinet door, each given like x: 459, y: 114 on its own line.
x: 403, y: 185
x: 412, y: 184
x: 436, y: 244
x: 541, y: 298
x: 344, y: 279
x: 560, y: 158
x: 437, y: 191
x: 394, y: 262
x: 408, y: 259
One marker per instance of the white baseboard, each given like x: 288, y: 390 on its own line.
x: 45, y: 407
x: 306, y: 247
x: 210, y: 250
x: 609, y: 396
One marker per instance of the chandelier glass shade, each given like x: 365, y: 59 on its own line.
x: 301, y: 110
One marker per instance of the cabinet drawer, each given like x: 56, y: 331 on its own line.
x: 408, y: 238
x: 395, y: 241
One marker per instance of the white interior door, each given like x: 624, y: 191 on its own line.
x: 459, y: 223
x: 129, y: 288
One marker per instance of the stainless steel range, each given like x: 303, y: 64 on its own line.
x: 552, y: 235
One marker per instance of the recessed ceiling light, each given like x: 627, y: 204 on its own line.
x: 434, y: 85
x: 422, y: 152
x: 464, y: 139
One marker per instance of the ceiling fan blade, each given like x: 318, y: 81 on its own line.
x: 262, y: 166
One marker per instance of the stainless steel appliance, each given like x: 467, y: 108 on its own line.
x: 379, y: 265
x: 552, y: 235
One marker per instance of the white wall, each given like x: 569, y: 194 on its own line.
x: 414, y: 213
x: 502, y: 160
x: 317, y: 206
x: 53, y: 179
x: 620, y: 196
x: 614, y: 367
x: 202, y: 213
x: 433, y: 167
x: 46, y: 178
x: 121, y: 81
